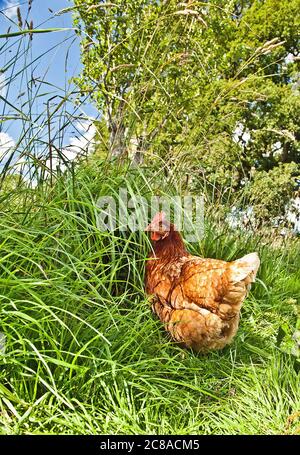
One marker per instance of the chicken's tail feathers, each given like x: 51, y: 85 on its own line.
x: 245, y: 268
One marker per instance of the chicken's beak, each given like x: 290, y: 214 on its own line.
x: 154, y: 233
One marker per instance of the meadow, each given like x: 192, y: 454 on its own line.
x: 80, y: 350
x: 85, y: 355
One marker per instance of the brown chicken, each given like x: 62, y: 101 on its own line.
x: 198, y: 300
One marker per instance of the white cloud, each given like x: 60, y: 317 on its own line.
x: 293, y: 214
x: 277, y: 148
x: 78, y: 146
x: 10, y: 9
x: 241, y: 134
x: 83, y: 144
x: 240, y: 218
x: 289, y: 58
x: 2, y: 84
x: 6, y: 143
x: 246, y: 137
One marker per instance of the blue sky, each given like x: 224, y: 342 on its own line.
x: 57, y: 57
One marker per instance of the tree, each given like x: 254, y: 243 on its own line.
x: 137, y: 64
x: 209, y: 88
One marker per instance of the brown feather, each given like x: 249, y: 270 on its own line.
x: 198, y: 300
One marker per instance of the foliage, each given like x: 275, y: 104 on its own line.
x: 270, y: 190
x: 85, y: 355
x: 211, y: 88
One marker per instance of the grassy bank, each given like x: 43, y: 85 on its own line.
x: 84, y: 354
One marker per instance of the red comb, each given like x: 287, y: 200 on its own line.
x: 160, y: 217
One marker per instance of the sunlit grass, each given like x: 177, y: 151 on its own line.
x: 84, y: 354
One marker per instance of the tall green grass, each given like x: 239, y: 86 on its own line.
x: 84, y: 354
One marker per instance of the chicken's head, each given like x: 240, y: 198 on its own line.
x: 159, y: 227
